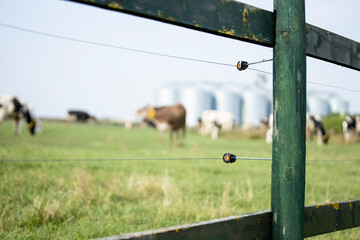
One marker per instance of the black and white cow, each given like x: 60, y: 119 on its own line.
x: 17, y: 109
x: 79, y: 116
x: 351, y: 128
x: 212, y: 122
x: 315, y: 127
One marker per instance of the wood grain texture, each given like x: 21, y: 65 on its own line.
x: 331, y: 217
x: 249, y: 227
x: 238, y: 21
x: 289, y: 104
x: 225, y: 18
x: 330, y: 47
x: 319, y: 219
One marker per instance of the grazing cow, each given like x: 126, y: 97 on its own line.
x: 314, y: 126
x: 163, y: 118
x: 17, y: 109
x: 351, y: 128
x: 79, y: 116
x: 212, y: 122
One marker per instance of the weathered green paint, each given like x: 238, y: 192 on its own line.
x: 249, y: 226
x: 319, y: 219
x: 289, y: 97
x: 330, y: 47
x: 331, y: 217
x: 236, y: 20
x: 225, y: 18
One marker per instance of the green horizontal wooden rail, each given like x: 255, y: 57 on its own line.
x: 238, y: 21
x: 226, y: 18
x: 331, y: 217
x: 330, y: 47
x: 250, y: 226
x: 319, y: 219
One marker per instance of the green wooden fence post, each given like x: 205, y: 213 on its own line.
x: 289, y: 87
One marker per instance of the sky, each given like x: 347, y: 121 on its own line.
x: 54, y: 75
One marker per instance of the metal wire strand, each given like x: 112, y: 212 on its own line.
x: 102, y: 159
x: 158, y: 54
x: 156, y: 159
x: 112, y: 46
x: 264, y: 60
x: 307, y: 160
x: 125, y: 48
x: 332, y: 86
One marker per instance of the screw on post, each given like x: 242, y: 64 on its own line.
x: 229, y: 158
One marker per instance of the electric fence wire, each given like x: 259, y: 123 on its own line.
x: 307, y: 160
x: 102, y: 159
x: 260, y: 71
x: 262, y: 61
x: 332, y: 86
x: 315, y: 83
x: 112, y: 46
x: 155, y: 159
x: 156, y: 54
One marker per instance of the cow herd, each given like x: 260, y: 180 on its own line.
x: 173, y: 118
x: 314, y: 129
x: 214, y: 122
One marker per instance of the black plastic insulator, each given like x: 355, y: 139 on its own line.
x: 242, y: 65
x: 229, y: 158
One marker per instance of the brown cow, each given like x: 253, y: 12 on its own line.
x: 168, y: 117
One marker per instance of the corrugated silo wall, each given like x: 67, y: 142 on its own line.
x: 338, y: 105
x: 248, y: 104
x: 195, y: 100
x: 229, y: 102
x: 256, y: 107
x: 166, y: 96
x: 318, y: 106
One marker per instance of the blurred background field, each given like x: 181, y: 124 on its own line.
x: 90, y: 199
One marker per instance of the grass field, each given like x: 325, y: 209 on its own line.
x: 81, y: 200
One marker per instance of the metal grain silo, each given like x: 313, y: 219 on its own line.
x: 257, y: 105
x: 209, y: 87
x: 228, y: 101
x: 318, y: 105
x: 338, y: 105
x: 238, y: 90
x: 195, y: 101
x: 167, y: 95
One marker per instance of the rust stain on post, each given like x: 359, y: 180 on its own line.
x: 335, y: 205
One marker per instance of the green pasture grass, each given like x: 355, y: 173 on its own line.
x: 82, y: 200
